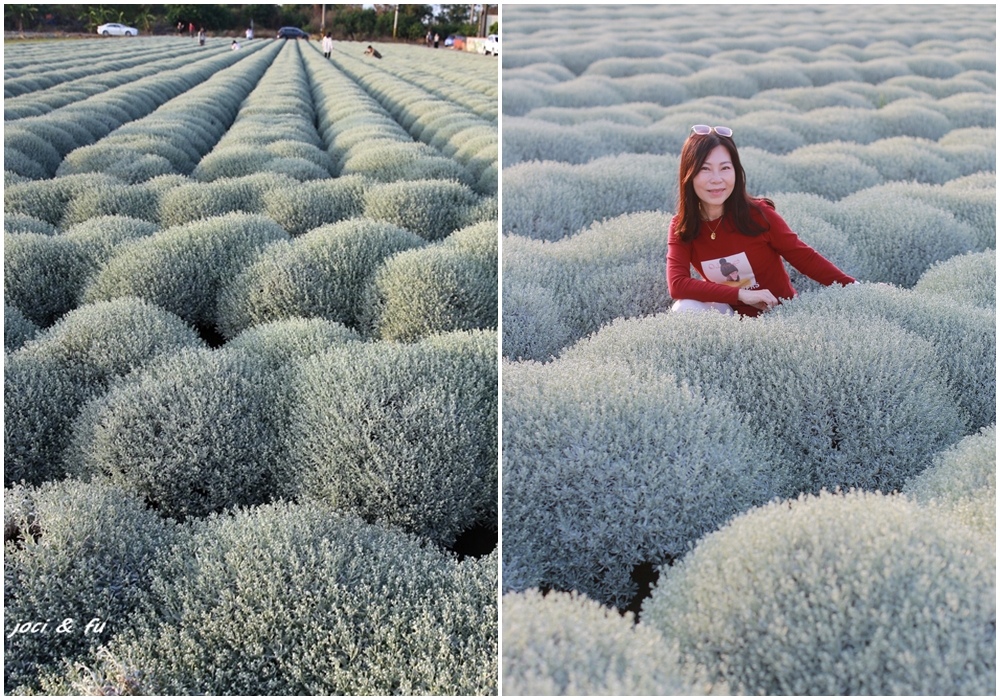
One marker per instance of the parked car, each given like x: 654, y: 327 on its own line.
x: 292, y: 33
x: 115, y: 29
x: 491, y: 46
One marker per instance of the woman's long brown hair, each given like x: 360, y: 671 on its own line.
x: 744, y: 211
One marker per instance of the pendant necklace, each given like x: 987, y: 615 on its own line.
x: 712, y: 236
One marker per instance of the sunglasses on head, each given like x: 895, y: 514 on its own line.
x: 705, y: 129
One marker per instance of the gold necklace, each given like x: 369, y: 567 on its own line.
x: 716, y: 227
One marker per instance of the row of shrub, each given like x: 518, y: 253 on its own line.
x: 655, y: 431
x: 586, y: 35
x: 177, y: 135
x: 224, y: 274
x: 363, y: 139
x: 432, y: 208
x: 836, y: 594
x: 40, y: 92
x: 34, y: 147
x: 450, y: 128
x: 282, y: 599
x: 939, y: 127
x: 125, y: 390
x: 274, y: 130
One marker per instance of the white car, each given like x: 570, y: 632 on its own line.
x: 492, y: 45
x: 115, y: 29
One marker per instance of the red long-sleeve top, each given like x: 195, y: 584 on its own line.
x: 733, y: 261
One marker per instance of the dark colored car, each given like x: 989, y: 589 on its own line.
x: 292, y: 33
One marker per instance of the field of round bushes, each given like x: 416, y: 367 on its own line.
x: 800, y: 503
x: 250, y: 367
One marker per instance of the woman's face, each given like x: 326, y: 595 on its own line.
x: 715, y: 181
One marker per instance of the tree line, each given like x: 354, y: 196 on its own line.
x: 342, y: 21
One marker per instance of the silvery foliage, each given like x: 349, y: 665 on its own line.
x: 963, y: 481
x: 897, y: 240
x: 17, y: 328
x: 963, y: 335
x: 194, y: 433
x: 290, y: 599
x: 566, y: 644
x: 99, y: 236
x: 184, y: 268
x: 613, y: 269
x: 50, y: 378
x: 324, y: 273
x: 43, y: 275
x: 72, y: 551
x: 606, y: 468
x: 856, y: 594
x: 403, y: 434
x: 193, y: 201
x: 283, y: 342
x: 964, y: 279
x: 847, y: 403
x: 446, y: 286
x: 432, y: 209
x: 25, y: 223
x: 301, y: 207
x: 550, y: 201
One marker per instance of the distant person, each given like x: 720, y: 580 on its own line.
x: 370, y: 51
x: 235, y: 45
x: 249, y: 33
x: 430, y: 39
x: 201, y: 37
x: 191, y: 29
x: 437, y: 40
x: 736, y: 242
x: 328, y: 45
x: 180, y: 28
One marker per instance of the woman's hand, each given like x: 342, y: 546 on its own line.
x: 758, y: 298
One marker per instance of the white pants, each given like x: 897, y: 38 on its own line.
x: 692, y: 305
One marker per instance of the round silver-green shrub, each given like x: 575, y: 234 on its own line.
x: 964, y: 279
x: 613, y: 269
x: 534, y: 327
x: 432, y: 209
x: 25, y: 223
x: 43, y: 275
x: 72, y: 552
x: 309, y: 205
x: 283, y: 342
x: 50, y: 378
x: 857, y: 594
x: 964, y: 336
x: 184, y: 268
x: 846, y: 404
x: 324, y: 273
x: 606, y: 469
x: 300, y: 600
x: 963, y: 481
x: 566, y: 644
x: 193, y: 434
x: 99, y: 236
x: 550, y: 200
x: 898, y: 239
x: 140, y: 201
x: 401, y: 434
x: 17, y: 328
x: 447, y: 286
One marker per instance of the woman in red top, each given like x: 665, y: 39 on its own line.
x: 735, y: 242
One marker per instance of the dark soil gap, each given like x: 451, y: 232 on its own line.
x: 645, y: 576
x: 477, y: 541
x: 210, y: 335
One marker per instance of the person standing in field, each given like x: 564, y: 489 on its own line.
x: 327, y: 45
x: 201, y: 37
x: 249, y: 33
x: 736, y: 242
x: 437, y: 40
